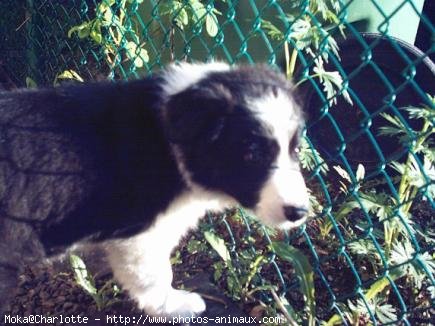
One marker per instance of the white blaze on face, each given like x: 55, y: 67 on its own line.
x: 286, y: 185
x: 179, y: 77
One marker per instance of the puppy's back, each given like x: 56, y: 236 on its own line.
x: 81, y: 160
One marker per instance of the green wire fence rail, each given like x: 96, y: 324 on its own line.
x: 365, y: 76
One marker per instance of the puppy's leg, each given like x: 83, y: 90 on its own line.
x: 142, y: 267
x: 141, y: 263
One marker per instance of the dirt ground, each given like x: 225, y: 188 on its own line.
x: 52, y: 290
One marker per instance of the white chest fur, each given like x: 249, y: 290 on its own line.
x: 141, y: 263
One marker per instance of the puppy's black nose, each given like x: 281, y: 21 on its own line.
x: 293, y: 213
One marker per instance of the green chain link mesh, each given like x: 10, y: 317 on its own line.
x: 370, y: 242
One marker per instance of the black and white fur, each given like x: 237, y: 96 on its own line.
x: 134, y: 165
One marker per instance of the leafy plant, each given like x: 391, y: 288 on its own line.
x: 120, y: 37
x: 393, y: 211
x: 310, y: 25
x: 241, y: 273
x: 103, y: 297
x: 113, y: 31
x: 67, y: 75
x: 191, y: 12
x: 30, y: 83
x: 304, y: 272
x: 415, y: 175
x: 310, y: 158
x: 238, y: 283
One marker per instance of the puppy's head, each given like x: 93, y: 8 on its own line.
x: 236, y: 131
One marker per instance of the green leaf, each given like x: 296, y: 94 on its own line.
x: 218, y: 244
x: 365, y: 248
x: 343, y: 173
x: 176, y: 258
x: 272, y: 30
x: 424, y: 112
x: 81, y: 275
x: 198, y: 10
x: 131, y: 47
x: 360, y: 172
x: 383, y: 282
x: 104, y: 6
x: 211, y: 24
x: 95, y: 33
x: 30, y: 83
x: 303, y: 270
x: 284, y: 305
x: 386, y: 313
x: 334, y: 320
x: 83, y: 30
x: 218, y: 270
x: 330, y: 80
x: 233, y: 285
x: 299, y: 29
x: 399, y: 167
x: 194, y: 246
x: 177, y: 10
x: 69, y: 74
x: 182, y: 18
x: 403, y: 253
x: 310, y: 158
x: 141, y: 58
x: 138, y: 55
x: 399, y: 127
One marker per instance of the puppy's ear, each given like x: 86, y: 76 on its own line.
x: 197, y: 112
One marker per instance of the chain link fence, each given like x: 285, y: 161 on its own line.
x: 366, y: 81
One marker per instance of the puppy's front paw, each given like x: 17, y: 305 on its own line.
x: 184, y: 304
x: 171, y: 303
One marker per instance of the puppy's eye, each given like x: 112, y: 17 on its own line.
x: 261, y: 152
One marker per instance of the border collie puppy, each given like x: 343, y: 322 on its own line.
x: 135, y: 165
